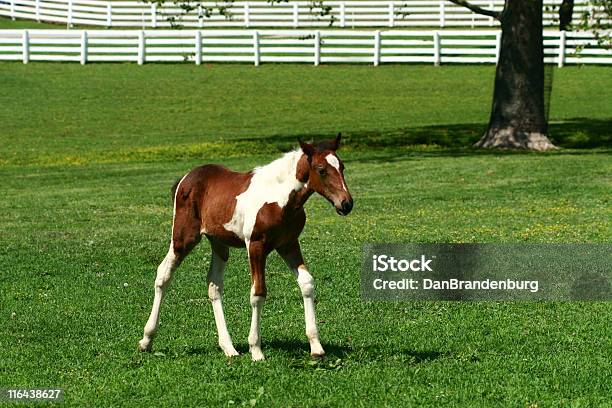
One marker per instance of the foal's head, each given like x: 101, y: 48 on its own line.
x: 326, y: 173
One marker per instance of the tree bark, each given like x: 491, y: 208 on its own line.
x: 566, y: 12
x: 518, y: 117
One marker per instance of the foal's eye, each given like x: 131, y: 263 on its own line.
x: 322, y: 171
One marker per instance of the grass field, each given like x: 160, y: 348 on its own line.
x: 87, y: 157
x: 8, y: 24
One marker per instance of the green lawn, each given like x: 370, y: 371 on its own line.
x: 8, y: 24
x: 87, y: 157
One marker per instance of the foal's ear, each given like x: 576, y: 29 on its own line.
x: 335, y: 144
x: 307, y: 148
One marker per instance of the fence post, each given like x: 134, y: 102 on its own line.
x: 247, y: 15
x: 141, y: 47
x: 69, y: 22
x: 25, y: 46
x: 436, y: 44
x: 109, y: 14
x: 497, y: 45
x: 198, y: 47
x: 84, y: 47
x: 391, y: 14
x: 38, y: 10
x: 376, y: 48
x: 13, y: 10
x: 561, y: 61
x: 317, y: 50
x: 296, y: 15
x: 200, y: 16
x: 256, y: 57
x: 342, y: 14
x: 154, y: 15
x: 442, y: 14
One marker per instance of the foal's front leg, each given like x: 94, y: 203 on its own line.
x: 257, y: 263
x: 292, y: 254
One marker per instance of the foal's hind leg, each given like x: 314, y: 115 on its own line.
x: 220, y: 254
x: 164, y: 275
x: 185, y: 236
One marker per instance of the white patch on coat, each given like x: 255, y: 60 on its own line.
x: 333, y: 160
x: 335, y: 163
x: 272, y: 183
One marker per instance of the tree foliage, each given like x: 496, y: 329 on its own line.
x: 597, y: 18
x: 316, y: 8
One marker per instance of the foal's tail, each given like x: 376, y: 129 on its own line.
x: 174, y: 188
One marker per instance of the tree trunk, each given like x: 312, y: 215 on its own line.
x: 566, y: 12
x: 518, y: 118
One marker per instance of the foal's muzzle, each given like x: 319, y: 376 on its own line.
x: 345, y: 207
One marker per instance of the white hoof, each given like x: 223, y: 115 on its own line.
x: 144, y: 345
x: 227, y: 347
x: 257, y: 354
x: 316, y: 350
x: 230, y: 352
x: 317, y: 356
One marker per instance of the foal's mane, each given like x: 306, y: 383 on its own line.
x: 281, y: 166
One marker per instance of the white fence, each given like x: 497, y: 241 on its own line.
x: 296, y: 46
x: 255, y: 14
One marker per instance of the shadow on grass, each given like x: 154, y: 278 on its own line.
x: 449, y: 140
x: 298, y: 349
x: 576, y: 137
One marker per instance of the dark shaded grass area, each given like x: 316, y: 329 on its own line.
x: 572, y: 133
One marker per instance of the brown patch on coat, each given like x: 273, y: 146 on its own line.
x: 202, y: 205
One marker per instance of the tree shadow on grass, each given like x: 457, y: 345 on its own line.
x: 581, y: 133
x: 447, y: 140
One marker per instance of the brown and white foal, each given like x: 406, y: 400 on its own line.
x: 262, y: 210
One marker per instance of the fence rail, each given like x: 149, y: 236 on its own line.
x: 295, y: 46
x: 257, y: 14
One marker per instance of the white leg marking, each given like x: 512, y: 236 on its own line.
x: 257, y: 303
x: 164, y: 275
x: 306, y: 283
x: 215, y: 293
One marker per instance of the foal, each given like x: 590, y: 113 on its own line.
x: 262, y: 210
